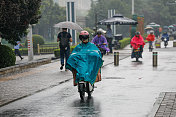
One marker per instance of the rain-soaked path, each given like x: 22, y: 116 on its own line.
x: 128, y: 90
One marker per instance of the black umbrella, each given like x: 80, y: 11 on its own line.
x: 118, y: 19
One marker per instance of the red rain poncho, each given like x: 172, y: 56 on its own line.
x: 150, y: 37
x: 137, y: 41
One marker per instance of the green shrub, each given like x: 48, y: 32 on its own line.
x: 124, y: 42
x: 37, y: 39
x: 24, y: 51
x: 7, y: 56
x: 57, y: 53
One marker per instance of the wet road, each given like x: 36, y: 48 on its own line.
x: 128, y: 90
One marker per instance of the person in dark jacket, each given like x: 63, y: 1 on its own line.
x: 64, y: 38
x: 109, y: 37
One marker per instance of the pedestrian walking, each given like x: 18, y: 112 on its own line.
x: 64, y: 38
x: 109, y: 37
x: 17, y: 47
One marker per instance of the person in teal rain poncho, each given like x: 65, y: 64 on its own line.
x: 86, y: 59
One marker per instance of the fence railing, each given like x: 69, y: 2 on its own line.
x: 46, y: 49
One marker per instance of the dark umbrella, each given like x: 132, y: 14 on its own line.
x: 118, y: 19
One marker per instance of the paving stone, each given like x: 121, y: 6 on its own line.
x: 166, y: 105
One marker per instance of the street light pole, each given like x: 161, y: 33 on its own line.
x: 132, y: 7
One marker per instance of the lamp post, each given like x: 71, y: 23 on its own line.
x: 132, y: 7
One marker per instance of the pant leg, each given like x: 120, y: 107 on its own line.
x: 15, y: 51
x: 141, y: 48
x: 110, y: 44
x: 150, y: 44
x: 67, y: 53
x: 62, y: 51
x: 18, y: 52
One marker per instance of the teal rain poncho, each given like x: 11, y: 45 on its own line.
x: 86, y: 59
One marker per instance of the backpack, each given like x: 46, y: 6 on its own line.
x: 64, y: 41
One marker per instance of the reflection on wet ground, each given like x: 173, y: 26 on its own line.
x: 59, y: 101
x: 86, y: 108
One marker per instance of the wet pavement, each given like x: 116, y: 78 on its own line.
x: 35, y: 57
x: 127, y: 90
x: 165, y: 106
x: 30, y: 81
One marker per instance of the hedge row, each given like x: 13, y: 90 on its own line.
x: 24, y: 51
x: 57, y: 51
x: 46, y: 50
x: 37, y: 39
x: 7, y: 56
x: 124, y: 42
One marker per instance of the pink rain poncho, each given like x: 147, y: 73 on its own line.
x: 137, y: 41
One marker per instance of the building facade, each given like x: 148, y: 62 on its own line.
x: 82, y: 7
x: 81, y: 4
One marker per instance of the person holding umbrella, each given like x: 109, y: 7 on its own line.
x: 64, y: 38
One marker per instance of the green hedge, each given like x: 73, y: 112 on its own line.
x: 7, y: 56
x: 24, y: 51
x: 53, y: 43
x: 57, y: 51
x: 124, y: 42
x: 37, y: 39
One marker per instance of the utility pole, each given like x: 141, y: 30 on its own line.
x: 71, y: 16
x: 30, y: 44
x: 111, y: 13
x: 132, y: 7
